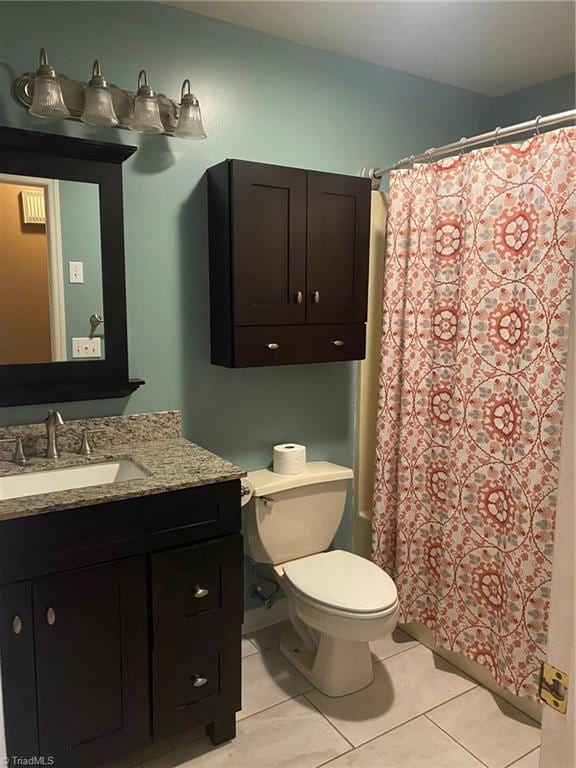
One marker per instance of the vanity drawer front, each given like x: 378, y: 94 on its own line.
x: 331, y: 343
x: 196, y: 673
x: 191, y: 580
x: 72, y: 538
x: 269, y: 345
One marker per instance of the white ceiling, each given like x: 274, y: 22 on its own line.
x: 489, y: 46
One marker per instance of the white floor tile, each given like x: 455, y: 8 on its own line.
x: 392, y: 644
x: 248, y: 649
x: 267, y: 679
x: 490, y: 728
x: 269, y: 637
x: 417, y: 744
x: 531, y: 760
x: 405, y: 686
x: 291, y: 735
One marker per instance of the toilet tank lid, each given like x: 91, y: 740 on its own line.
x: 265, y: 481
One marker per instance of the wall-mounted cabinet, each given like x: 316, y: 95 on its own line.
x: 288, y: 264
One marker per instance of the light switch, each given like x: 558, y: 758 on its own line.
x: 76, y: 269
x: 86, y: 347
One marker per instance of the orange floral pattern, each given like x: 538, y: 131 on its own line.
x: 480, y: 251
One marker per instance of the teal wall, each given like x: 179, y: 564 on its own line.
x: 80, y: 228
x: 263, y: 99
x: 547, y: 98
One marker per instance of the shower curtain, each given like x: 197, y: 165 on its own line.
x: 476, y: 310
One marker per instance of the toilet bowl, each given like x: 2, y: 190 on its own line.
x: 338, y: 601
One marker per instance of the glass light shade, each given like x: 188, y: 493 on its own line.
x: 146, y: 115
x: 98, y: 107
x: 47, y: 100
x: 190, y: 121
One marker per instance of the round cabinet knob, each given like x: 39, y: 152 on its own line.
x: 198, y: 681
x: 338, y: 343
x: 316, y: 297
x: 273, y: 345
x: 299, y: 297
x: 16, y: 625
x: 200, y: 592
x: 51, y: 616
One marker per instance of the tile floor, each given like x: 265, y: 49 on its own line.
x: 421, y: 712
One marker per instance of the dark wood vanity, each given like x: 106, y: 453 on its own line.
x: 288, y: 264
x: 120, y: 624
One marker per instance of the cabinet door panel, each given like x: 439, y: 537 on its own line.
x: 269, y: 243
x: 91, y: 660
x: 18, y: 669
x: 338, y: 241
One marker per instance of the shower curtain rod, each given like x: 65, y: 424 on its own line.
x: 376, y: 174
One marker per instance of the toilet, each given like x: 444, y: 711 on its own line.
x: 338, y: 601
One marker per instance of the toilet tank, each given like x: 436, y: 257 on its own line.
x: 293, y: 516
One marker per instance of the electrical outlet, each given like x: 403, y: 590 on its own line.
x: 85, y: 347
x: 76, y: 271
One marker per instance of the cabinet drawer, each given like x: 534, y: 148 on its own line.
x: 330, y: 343
x: 189, y: 581
x: 270, y: 345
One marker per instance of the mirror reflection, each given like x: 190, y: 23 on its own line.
x: 51, y: 303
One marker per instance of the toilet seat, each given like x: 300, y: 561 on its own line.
x: 342, y: 583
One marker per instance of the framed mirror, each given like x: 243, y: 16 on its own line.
x: 62, y: 277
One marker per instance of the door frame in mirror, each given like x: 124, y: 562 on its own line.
x: 51, y: 156
x: 55, y: 261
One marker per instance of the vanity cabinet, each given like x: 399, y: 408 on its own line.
x: 82, y: 636
x: 288, y: 264
x: 120, y: 624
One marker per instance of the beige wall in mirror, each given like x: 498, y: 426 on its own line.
x: 50, y: 271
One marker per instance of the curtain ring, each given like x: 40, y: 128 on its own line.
x: 497, y: 136
x: 428, y: 154
x: 461, y: 142
x: 537, y: 126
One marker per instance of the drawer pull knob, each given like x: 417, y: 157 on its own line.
x: 16, y: 625
x: 299, y: 297
x: 316, y: 297
x: 338, y: 343
x: 198, y: 681
x: 273, y: 345
x: 200, y: 592
x: 51, y: 616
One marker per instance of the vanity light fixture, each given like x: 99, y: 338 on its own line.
x: 98, y: 106
x: 46, y: 94
x: 190, y: 119
x: 146, y: 111
x: 47, y: 99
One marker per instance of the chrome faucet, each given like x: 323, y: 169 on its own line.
x: 52, y: 421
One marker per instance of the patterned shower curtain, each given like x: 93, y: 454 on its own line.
x: 476, y: 310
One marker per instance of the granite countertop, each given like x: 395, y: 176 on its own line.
x: 171, y: 464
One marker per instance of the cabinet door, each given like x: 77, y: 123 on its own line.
x: 92, y: 662
x: 18, y: 669
x: 338, y: 242
x: 269, y: 244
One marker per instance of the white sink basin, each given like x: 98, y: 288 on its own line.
x: 48, y: 481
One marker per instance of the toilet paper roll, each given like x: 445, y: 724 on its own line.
x: 289, y: 459
x: 246, y: 492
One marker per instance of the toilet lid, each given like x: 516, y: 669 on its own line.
x: 342, y: 580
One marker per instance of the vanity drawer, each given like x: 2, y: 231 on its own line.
x: 330, y: 343
x: 269, y: 345
x: 192, y: 580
